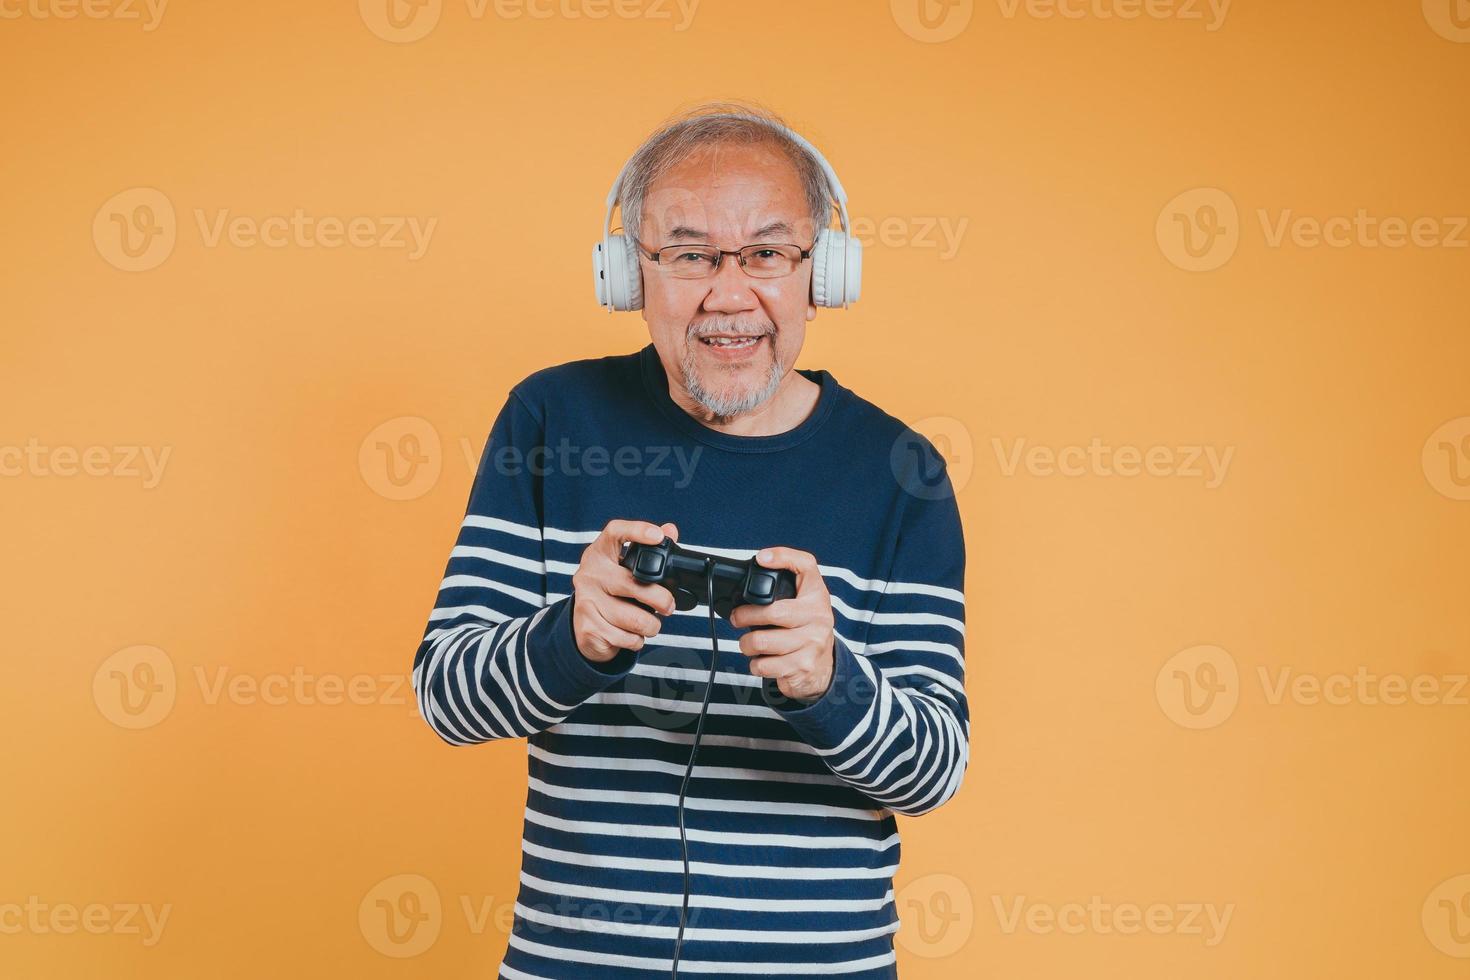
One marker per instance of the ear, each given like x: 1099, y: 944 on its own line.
x: 811, y: 312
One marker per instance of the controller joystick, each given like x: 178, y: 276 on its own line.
x: 736, y: 583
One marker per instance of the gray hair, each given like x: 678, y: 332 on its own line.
x: 714, y: 123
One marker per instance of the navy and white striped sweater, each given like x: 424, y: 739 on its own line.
x: 791, y: 835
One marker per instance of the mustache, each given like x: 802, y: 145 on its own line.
x: 737, y: 328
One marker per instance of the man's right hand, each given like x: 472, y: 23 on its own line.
x: 603, y: 620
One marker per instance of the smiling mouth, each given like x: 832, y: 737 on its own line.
x: 732, y: 341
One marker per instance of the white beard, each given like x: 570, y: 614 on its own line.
x: 727, y: 406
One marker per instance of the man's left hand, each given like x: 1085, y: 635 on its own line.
x: 800, y: 653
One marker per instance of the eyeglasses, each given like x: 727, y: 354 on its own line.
x: 702, y: 261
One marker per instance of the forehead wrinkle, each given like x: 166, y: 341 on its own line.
x: 715, y: 174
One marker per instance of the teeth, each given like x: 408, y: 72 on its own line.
x: 730, y: 341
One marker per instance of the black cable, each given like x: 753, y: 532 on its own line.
x: 709, y: 686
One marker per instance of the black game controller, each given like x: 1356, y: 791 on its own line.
x: 736, y: 583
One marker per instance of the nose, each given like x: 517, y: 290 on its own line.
x: 730, y: 289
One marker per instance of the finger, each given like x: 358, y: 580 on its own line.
x: 769, y: 643
x: 654, y: 596
x: 604, y: 636
x: 783, y: 612
x: 776, y: 666
x: 803, y: 563
x: 596, y: 648
x: 614, y: 636
x: 616, y: 580
x: 628, y: 618
x: 618, y: 531
x: 671, y: 531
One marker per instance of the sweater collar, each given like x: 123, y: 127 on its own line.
x: 656, y: 382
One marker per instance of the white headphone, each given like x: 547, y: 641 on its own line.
x: 837, y: 257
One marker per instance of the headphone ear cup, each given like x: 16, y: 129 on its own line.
x: 618, y: 273
x: 837, y: 269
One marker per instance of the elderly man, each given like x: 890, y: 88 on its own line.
x: 774, y: 854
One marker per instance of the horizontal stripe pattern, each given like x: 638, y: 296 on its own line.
x: 790, y: 821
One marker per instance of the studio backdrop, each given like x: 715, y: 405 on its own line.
x: 1177, y: 287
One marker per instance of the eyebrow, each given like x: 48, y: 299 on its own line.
x: 685, y: 233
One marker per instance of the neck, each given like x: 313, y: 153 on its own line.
x: 791, y: 405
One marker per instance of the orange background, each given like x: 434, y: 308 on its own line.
x: 1335, y: 542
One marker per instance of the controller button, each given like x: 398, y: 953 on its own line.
x: 651, y: 563
x: 761, y: 586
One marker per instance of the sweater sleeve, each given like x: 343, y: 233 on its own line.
x: 894, y: 722
x: 498, y: 661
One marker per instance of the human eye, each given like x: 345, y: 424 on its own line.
x: 691, y: 258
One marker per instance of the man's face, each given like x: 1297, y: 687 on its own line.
x: 729, y: 196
